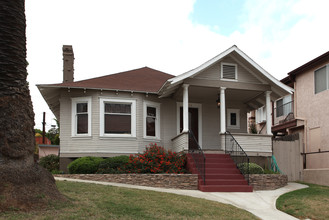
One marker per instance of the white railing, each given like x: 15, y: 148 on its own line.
x: 253, y: 144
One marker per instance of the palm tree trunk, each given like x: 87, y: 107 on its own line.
x: 21, y: 179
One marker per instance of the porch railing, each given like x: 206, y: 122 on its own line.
x: 238, y: 155
x: 284, y: 113
x: 197, y: 155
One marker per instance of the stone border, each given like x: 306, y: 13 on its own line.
x: 176, y: 181
x: 267, y: 181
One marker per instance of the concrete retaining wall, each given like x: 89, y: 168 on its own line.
x: 177, y: 181
x: 316, y: 176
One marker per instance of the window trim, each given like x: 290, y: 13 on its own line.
x: 228, y: 64
x: 117, y: 101
x: 157, y: 120
x: 228, y: 118
x: 327, y: 75
x: 74, y: 128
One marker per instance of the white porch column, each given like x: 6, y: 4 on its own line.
x: 268, y: 113
x: 222, y: 110
x: 185, y: 107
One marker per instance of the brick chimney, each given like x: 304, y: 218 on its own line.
x: 68, y: 63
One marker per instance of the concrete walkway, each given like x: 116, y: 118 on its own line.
x: 259, y: 203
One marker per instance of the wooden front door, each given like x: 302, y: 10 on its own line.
x: 193, y: 121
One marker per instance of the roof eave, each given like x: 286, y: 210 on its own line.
x: 92, y: 88
x: 309, y: 64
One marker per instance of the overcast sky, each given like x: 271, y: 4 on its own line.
x: 172, y: 36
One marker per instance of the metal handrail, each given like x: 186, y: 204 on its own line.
x: 197, y: 155
x: 237, y: 153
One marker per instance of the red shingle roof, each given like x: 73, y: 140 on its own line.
x: 139, y: 80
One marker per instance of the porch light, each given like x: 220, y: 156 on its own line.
x: 218, y: 101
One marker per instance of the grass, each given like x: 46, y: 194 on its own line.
x: 91, y: 201
x: 312, y: 202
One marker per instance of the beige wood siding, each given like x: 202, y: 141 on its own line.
x: 95, y: 144
x: 243, y: 116
x: 180, y: 142
x: 214, y: 72
x: 210, y: 126
x: 254, y: 143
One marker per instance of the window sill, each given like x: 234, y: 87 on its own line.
x: 233, y: 127
x: 117, y: 137
x: 231, y: 80
x: 82, y: 137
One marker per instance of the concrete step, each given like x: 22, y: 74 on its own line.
x: 222, y: 176
x: 222, y: 171
x: 220, y: 165
x: 225, y: 188
x: 211, y: 182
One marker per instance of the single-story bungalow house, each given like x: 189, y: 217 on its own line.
x: 123, y: 113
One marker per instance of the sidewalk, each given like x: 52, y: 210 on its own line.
x: 259, y: 203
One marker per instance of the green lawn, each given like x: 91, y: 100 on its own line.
x: 91, y: 201
x: 312, y: 202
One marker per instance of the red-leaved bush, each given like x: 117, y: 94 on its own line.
x: 156, y: 159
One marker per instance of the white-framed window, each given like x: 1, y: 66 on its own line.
x: 117, y: 117
x: 151, y: 122
x: 261, y: 115
x: 233, y: 118
x: 229, y: 71
x: 81, y: 117
x: 321, y: 79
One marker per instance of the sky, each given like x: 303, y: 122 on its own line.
x: 172, y: 36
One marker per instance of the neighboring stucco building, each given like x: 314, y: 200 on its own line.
x: 124, y: 112
x: 307, y: 111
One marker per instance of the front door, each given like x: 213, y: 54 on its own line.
x: 193, y: 121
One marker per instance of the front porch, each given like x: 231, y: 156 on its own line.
x: 213, y: 100
x: 210, y: 112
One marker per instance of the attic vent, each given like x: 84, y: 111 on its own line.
x: 229, y: 71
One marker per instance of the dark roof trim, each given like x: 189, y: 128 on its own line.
x: 286, y: 80
x: 309, y: 64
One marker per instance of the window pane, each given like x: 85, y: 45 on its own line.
x: 151, y: 111
x: 82, y: 123
x: 82, y: 107
x: 150, y: 126
x: 279, y: 108
x: 118, y: 124
x: 117, y: 108
x: 320, y: 78
x: 233, y: 118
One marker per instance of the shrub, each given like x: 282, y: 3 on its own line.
x: 85, y: 165
x: 253, y: 168
x: 113, y: 164
x: 156, y: 159
x: 50, y: 162
x: 267, y: 171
